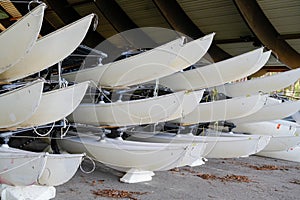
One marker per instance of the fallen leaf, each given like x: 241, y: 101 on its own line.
x: 174, y: 170
x: 295, y: 181
x: 207, y: 176
x: 232, y: 177
x: 266, y: 167
x: 117, y: 193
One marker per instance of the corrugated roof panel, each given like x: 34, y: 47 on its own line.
x: 273, y: 61
x: 284, y: 15
x: 53, y: 19
x: 75, y: 1
x: 235, y: 49
x: 160, y: 35
x: 217, y: 16
x: 295, y: 44
x: 143, y: 13
x: 104, y: 27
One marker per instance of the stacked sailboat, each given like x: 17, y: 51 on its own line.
x: 185, y: 106
x: 151, y: 111
x: 19, y: 45
x: 120, y: 118
x: 28, y: 103
x: 150, y: 65
x: 138, y: 157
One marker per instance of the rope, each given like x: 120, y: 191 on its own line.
x: 43, y: 135
x: 31, y: 2
x: 95, y: 24
x: 63, y: 134
x: 183, y: 41
x: 155, y: 92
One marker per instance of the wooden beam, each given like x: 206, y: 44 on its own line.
x: 179, y: 21
x: 10, y: 8
x: 266, y: 33
x: 2, y: 28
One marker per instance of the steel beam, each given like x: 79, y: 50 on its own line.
x: 266, y: 33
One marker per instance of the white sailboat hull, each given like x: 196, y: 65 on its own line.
x: 296, y: 117
x: 49, y: 50
x: 20, y: 169
x: 224, y: 110
x: 281, y: 143
x: 271, y: 112
x: 56, y: 105
x: 20, y: 104
x: 243, y: 147
x: 229, y: 146
x: 14, y: 46
x: 292, y: 154
x: 266, y: 84
x: 153, y: 64
x: 216, y: 73
x: 137, y: 112
x: 59, y: 169
x: 129, y: 155
x: 276, y: 128
x: 283, y: 133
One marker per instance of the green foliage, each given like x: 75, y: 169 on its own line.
x: 3, y: 15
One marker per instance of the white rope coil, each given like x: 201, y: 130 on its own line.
x: 93, y: 163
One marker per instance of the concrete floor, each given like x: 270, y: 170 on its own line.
x: 282, y: 182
